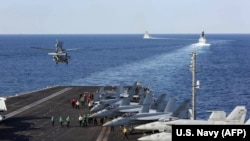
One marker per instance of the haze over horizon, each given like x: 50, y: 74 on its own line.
x: 124, y: 17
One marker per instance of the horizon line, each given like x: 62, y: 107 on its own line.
x: 108, y: 33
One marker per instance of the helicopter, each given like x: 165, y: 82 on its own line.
x: 60, y: 55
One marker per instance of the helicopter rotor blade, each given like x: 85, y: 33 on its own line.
x: 42, y: 48
x: 54, y: 53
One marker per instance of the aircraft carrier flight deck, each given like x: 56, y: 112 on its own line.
x: 28, y: 118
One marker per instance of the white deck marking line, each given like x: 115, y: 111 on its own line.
x: 35, y: 103
x: 99, y: 138
x: 103, y: 136
x: 106, y: 135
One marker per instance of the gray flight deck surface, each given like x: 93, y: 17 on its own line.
x: 28, y: 118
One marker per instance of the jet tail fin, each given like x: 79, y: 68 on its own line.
x: 97, y: 95
x: 141, y: 96
x: 148, y: 99
x: 145, y: 109
x: 125, y: 101
x: 182, y: 110
x: 171, y: 105
x: 120, y: 90
x: 146, y: 103
x: 217, y: 116
x: 131, y: 92
x: 238, y: 115
x: 160, y: 103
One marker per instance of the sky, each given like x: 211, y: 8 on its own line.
x: 124, y: 16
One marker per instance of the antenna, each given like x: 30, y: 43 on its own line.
x: 195, y: 83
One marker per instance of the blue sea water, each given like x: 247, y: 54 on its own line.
x: 161, y: 63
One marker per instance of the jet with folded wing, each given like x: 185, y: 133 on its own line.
x: 114, y: 111
x: 142, y: 118
x: 161, y: 124
x: 120, y: 94
x: 236, y: 117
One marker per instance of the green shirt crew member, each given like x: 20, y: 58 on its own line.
x: 61, y: 121
x: 52, y: 121
x: 68, y: 121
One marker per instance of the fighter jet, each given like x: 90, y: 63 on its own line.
x: 102, y: 94
x: 113, y: 111
x: 3, y: 108
x: 120, y: 94
x: 103, y: 103
x: 146, y: 103
x: 142, y: 118
x: 111, y: 94
x: 135, y: 107
x: 157, y: 106
x: 161, y: 124
x: 237, y: 116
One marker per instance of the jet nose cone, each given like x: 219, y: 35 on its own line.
x: 99, y: 114
x: 109, y: 123
x: 139, y: 127
x: 145, y: 138
x: 92, y: 109
x: 93, y: 115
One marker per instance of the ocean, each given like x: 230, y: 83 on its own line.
x: 161, y: 63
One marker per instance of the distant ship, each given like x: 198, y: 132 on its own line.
x: 202, y: 39
x: 146, y: 35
